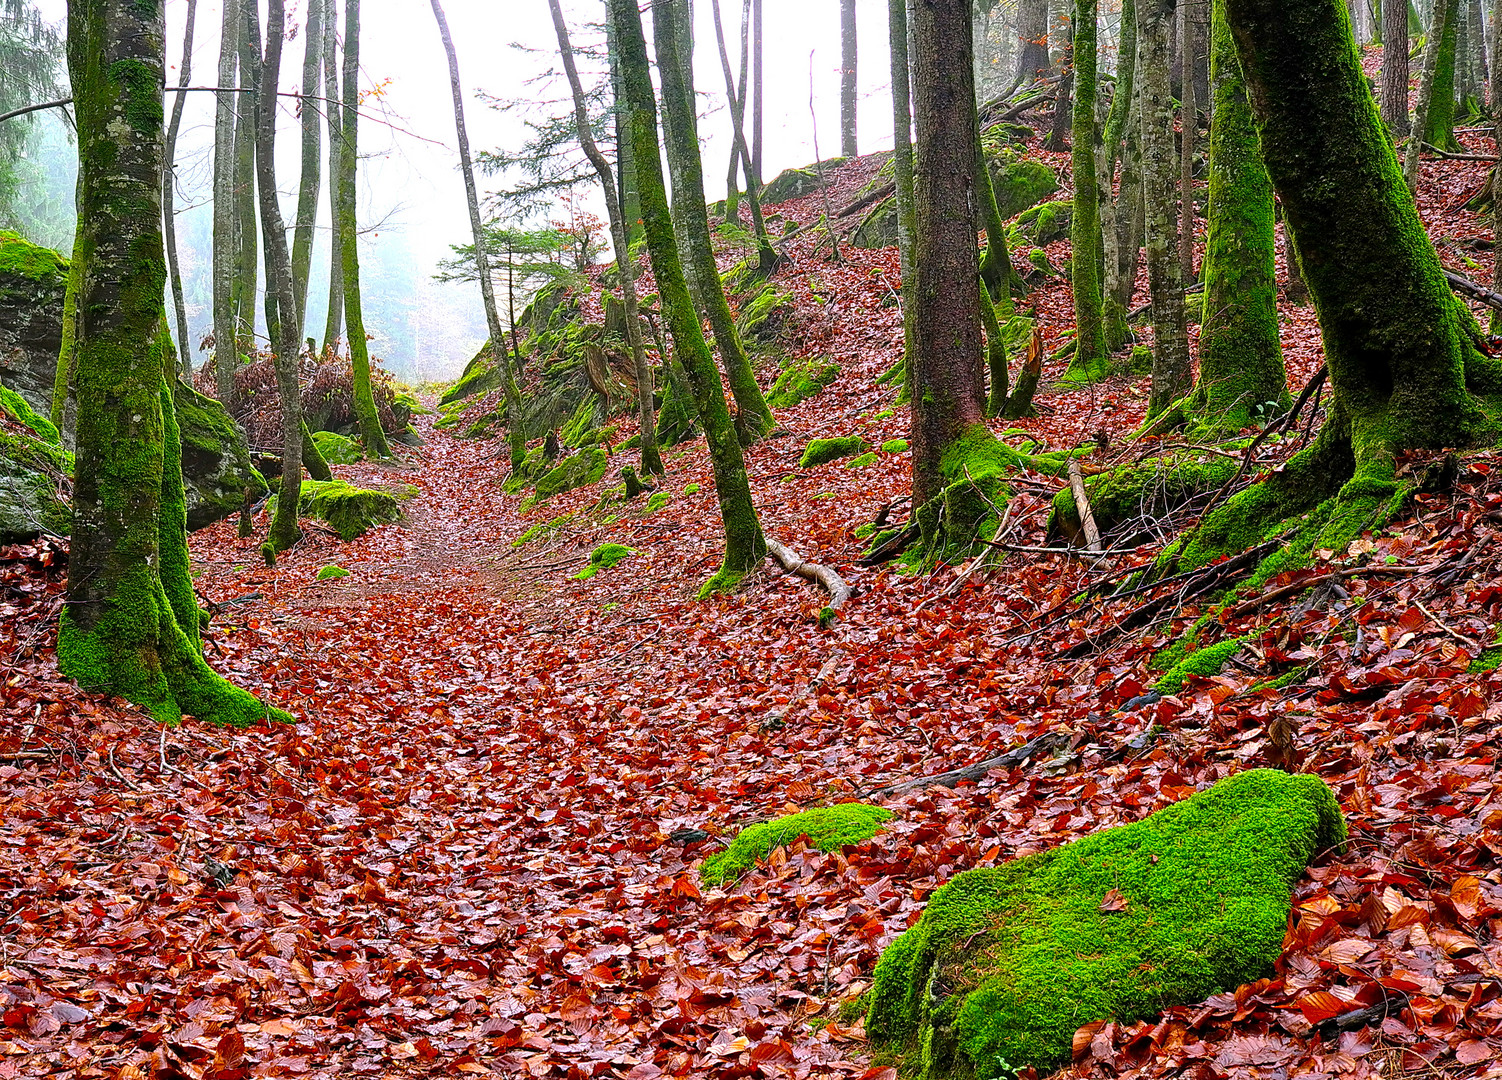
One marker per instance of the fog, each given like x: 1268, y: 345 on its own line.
x: 411, y: 195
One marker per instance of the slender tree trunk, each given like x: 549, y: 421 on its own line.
x: 226, y: 221
x: 334, y: 321
x: 1172, y: 372
x: 1063, y: 113
x: 515, y: 422
x: 758, y: 95
x: 754, y: 419
x: 130, y: 623
x: 745, y: 546
x: 1032, y: 40
x: 1431, y: 91
x: 651, y: 459
x: 737, y: 93
x: 1496, y: 105
x: 169, y: 212
x: 354, y: 317
x: 849, y: 54
x: 312, y: 151
x: 902, y: 163
x: 1395, y: 65
x: 1131, y: 224
x: 1189, y: 136
x: 1090, y: 357
x: 1241, y: 358
x: 247, y: 266
x: 1440, y: 126
x: 1114, y: 327
x: 766, y: 254
x: 948, y: 385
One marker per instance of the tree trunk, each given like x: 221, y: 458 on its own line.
x: 354, y: 317
x: 902, y: 164
x: 1241, y: 358
x: 226, y: 227
x: 766, y: 254
x: 169, y: 212
x: 1114, y: 329
x: 754, y: 419
x: 334, y: 321
x: 1090, y: 357
x: 312, y: 151
x: 1188, y: 137
x: 745, y: 546
x: 515, y: 425
x: 1496, y: 106
x: 1032, y: 40
x: 945, y: 367
x: 130, y: 624
x: 1395, y: 65
x: 1172, y: 372
x: 1063, y: 112
x: 757, y: 93
x: 247, y: 255
x: 737, y: 92
x: 1432, y: 90
x: 849, y: 55
x: 1440, y: 126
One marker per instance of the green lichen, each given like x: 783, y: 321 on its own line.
x: 822, y: 451
x: 338, y: 449
x: 350, y: 511
x: 331, y: 573
x: 828, y: 828
x: 800, y: 380
x: 604, y: 557
x: 894, y: 446
x: 862, y: 461
x: 1007, y: 962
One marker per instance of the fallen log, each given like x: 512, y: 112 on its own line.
x: 1479, y: 293
x: 823, y: 576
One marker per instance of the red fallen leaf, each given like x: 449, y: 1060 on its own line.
x: 230, y: 1051
x: 1465, y: 894
x: 684, y: 886
x: 772, y: 1050
x: 1321, y: 1006
x: 1082, y: 1037
x: 1474, y: 1052
x: 1114, y: 901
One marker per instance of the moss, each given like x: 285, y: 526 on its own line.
x: 1202, y: 664
x: 762, y: 316
x: 16, y: 408
x: 800, y: 380
x: 331, y: 573
x: 725, y: 580
x: 820, y: 451
x: 828, y: 828
x: 350, y: 511
x: 862, y: 461
x: 1155, y: 486
x: 886, y: 414
x: 33, y: 470
x: 863, y: 531
x: 604, y: 557
x: 894, y: 446
x: 1007, y: 962
x: 656, y: 502
x: 584, y: 468
x: 24, y: 259
x: 1487, y: 661
x: 544, y: 527
x: 1042, y: 225
x: 337, y: 449
x: 1020, y: 185
x: 691, y: 489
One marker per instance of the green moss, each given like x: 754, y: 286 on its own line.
x: 1155, y: 486
x: 725, y: 580
x: 331, y: 573
x: 21, y: 257
x: 1020, y: 185
x: 691, y: 489
x: 885, y: 414
x: 1007, y: 962
x: 1042, y: 225
x: 862, y: 461
x: 762, y: 316
x: 821, y: 451
x: 828, y: 828
x: 350, y: 511
x: 800, y: 380
x: 1203, y: 664
x: 584, y: 468
x: 16, y: 408
x: 863, y: 531
x: 1487, y: 661
x: 894, y: 446
x: 604, y: 557
x: 337, y: 449
x: 656, y: 502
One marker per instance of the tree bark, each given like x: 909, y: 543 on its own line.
x: 1090, y: 358
x: 758, y: 81
x: 1431, y: 91
x: 169, y: 212
x: 849, y: 54
x: 1172, y: 372
x: 1032, y: 40
x: 130, y: 624
x: 1496, y: 106
x: 334, y: 320
x: 766, y: 254
x: 247, y: 254
x: 354, y: 317
x: 945, y: 369
x: 754, y: 419
x: 1114, y: 329
x: 226, y: 227
x: 1440, y: 125
x: 745, y: 545
x: 902, y: 164
x: 1063, y: 112
x: 1395, y: 65
x: 651, y: 459
x: 1188, y: 137
x: 312, y: 152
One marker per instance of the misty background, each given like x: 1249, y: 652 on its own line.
x: 411, y: 195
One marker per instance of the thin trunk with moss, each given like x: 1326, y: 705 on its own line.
x: 169, y: 210
x: 334, y: 320
x: 766, y: 255
x: 247, y: 253
x: 745, y: 545
x: 130, y: 624
x: 1063, y: 113
x: 312, y: 152
x: 1496, y: 104
x: 1114, y: 327
x: 1188, y: 137
x: 1090, y: 357
x: 67, y: 354
x: 754, y: 418
x: 902, y: 163
x: 848, y: 60
x: 226, y: 221
x: 1439, y: 127
x: 1430, y: 92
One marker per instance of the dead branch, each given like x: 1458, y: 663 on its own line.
x: 1479, y: 293
x: 1046, y: 743
x: 1082, y: 506
x: 832, y: 583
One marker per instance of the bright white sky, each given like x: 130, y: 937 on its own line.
x: 412, y: 185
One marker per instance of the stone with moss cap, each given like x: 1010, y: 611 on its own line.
x: 350, y: 511
x: 821, y: 451
x: 1202, y: 663
x: 1007, y: 962
x: 338, y: 449
x: 331, y: 573
x: 33, y: 285
x: 604, y: 557
x: 828, y: 828
x: 33, y: 469
x: 800, y: 380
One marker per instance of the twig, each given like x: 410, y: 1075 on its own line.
x: 1469, y: 642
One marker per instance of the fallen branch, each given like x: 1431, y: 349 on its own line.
x: 1046, y: 743
x: 866, y: 200
x: 1468, y: 288
x: 832, y: 583
x: 1082, y: 506
x: 1282, y: 592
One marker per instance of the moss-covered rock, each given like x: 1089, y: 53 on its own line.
x: 216, y: 458
x: 878, y: 229
x: 1007, y: 962
x: 894, y: 446
x: 337, y: 449
x: 35, y: 473
x: 349, y: 511
x: 331, y: 573
x: 1042, y: 225
x: 1155, y: 486
x: 1203, y: 663
x: 828, y: 828
x: 1020, y: 185
x: 800, y: 380
x: 862, y: 461
x: 585, y: 467
x: 604, y: 557
x: 33, y: 281
x: 796, y: 183
x: 657, y: 501
x: 763, y: 313
x: 819, y: 451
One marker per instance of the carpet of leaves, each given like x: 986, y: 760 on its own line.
x: 461, y: 860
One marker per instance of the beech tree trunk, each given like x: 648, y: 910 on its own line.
x: 947, y: 379
x: 247, y: 254
x: 1032, y: 40
x: 312, y: 151
x: 745, y: 545
x: 849, y: 54
x: 902, y: 164
x: 1090, y: 357
x: 1496, y: 106
x: 1119, y: 122
x: 169, y: 212
x: 1063, y: 113
x: 1432, y: 91
x: 766, y: 254
x: 130, y: 624
x: 1440, y: 125
x: 1395, y: 65
x: 334, y: 321
x: 226, y: 221
x: 1188, y: 137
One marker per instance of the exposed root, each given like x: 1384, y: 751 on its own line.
x: 831, y: 582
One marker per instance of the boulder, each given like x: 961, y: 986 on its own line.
x: 822, y: 451
x: 1020, y: 185
x: 349, y: 511
x: 35, y: 473
x: 216, y: 462
x: 801, y: 379
x: 828, y: 828
x: 33, y: 282
x: 796, y: 183
x: 1040, y: 226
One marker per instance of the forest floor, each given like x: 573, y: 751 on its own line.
x: 460, y: 861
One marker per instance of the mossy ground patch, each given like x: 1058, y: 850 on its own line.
x: 827, y: 828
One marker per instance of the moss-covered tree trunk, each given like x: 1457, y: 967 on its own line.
x: 247, y: 255
x: 1395, y: 65
x: 651, y: 459
x: 945, y: 366
x: 334, y: 320
x: 67, y: 354
x: 1241, y: 358
x: 1188, y: 137
x: 1172, y: 373
x: 745, y: 546
x: 902, y: 162
x: 169, y: 210
x: 226, y: 222
x: 1090, y: 357
x: 130, y: 625
x: 754, y: 418
x: 1121, y: 274
x: 1063, y: 113
x: 349, y: 242
x: 1113, y: 316
x: 1428, y: 94
x: 1496, y: 103
x: 766, y: 255
x: 312, y: 153
x: 515, y: 427
x: 1439, y: 128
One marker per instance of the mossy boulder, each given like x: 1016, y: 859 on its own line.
x: 217, y: 468
x: 585, y: 467
x: 33, y: 282
x: 35, y: 473
x: 604, y: 557
x: 800, y: 380
x: 763, y: 314
x: 331, y: 573
x: 1202, y: 663
x: 894, y: 446
x: 480, y: 376
x: 349, y: 511
x: 337, y: 449
x: 828, y: 828
x: 1042, y: 225
x: 1021, y: 185
x: 862, y: 461
x: 1007, y: 962
x: 878, y: 229
x: 796, y: 183
x: 820, y: 451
